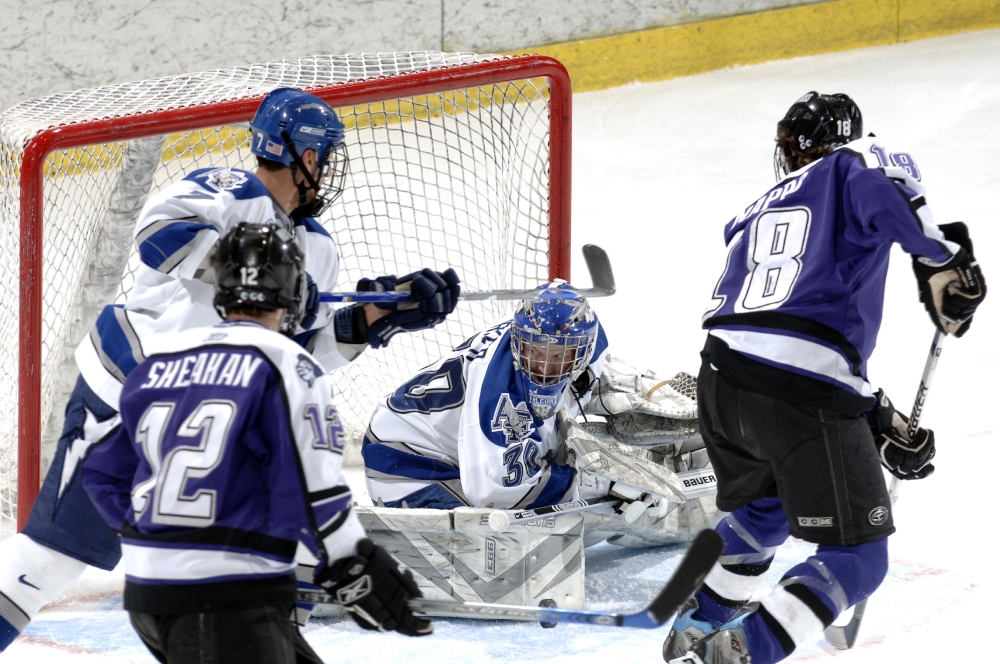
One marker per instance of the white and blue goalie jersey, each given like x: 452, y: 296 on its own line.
x: 229, y: 454
x: 464, y: 424
x: 174, y: 290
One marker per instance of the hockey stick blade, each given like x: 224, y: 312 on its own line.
x: 685, y: 581
x: 598, y: 265
x: 843, y: 637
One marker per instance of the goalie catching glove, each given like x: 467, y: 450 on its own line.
x: 623, y: 388
x: 374, y: 589
x: 952, y: 292
x: 906, y: 459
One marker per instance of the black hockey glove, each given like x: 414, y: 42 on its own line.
x: 906, y: 459
x: 435, y: 296
x: 951, y: 292
x: 374, y: 588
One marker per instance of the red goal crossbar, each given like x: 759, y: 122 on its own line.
x: 169, y: 120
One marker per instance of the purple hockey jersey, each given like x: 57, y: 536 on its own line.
x: 228, y: 456
x: 797, y: 310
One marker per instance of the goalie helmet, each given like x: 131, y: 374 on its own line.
x: 287, y: 123
x: 818, y: 120
x: 553, y: 336
x: 259, y: 265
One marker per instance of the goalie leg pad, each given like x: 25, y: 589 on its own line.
x: 456, y: 555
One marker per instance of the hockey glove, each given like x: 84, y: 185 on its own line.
x: 906, y: 459
x: 951, y: 292
x: 435, y: 295
x: 374, y: 589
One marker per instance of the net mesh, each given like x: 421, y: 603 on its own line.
x: 458, y: 178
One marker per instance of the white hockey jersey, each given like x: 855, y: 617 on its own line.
x: 174, y: 289
x: 266, y: 474
x: 463, y: 423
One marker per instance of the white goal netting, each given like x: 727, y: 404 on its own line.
x: 455, y: 177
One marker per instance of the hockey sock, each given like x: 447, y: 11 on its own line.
x: 752, y: 534
x: 304, y: 610
x: 34, y: 575
x: 811, y: 596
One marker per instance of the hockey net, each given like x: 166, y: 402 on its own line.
x: 450, y: 165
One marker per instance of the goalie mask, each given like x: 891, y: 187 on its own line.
x: 817, y: 120
x: 553, y: 336
x: 287, y: 123
x: 259, y: 265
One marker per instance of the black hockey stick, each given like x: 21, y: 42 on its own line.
x: 598, y: 265
x: 703, y: 553
x: 843, y: 637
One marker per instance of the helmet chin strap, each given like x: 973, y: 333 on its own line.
x: 310, y: 181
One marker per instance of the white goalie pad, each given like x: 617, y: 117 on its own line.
x: 624, y: 388
x: 678, y: 488
x: 671, y: 436
x: 456, y: 555
x: 643, y: 470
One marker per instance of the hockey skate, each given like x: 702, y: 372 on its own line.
x: 727, y: 645
x: 686, y: 632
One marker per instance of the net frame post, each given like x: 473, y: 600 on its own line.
x: 166, y: 121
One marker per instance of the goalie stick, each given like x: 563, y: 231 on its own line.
x: 699, y: 559
x: 598, y: 265
x: 843, y: 637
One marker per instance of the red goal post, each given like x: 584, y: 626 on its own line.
x: 37, y: 158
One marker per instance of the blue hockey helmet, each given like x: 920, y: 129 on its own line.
x: 287, y: 123
x: 553, y: 336
x: 818, y: 120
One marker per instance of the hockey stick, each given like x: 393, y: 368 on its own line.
x: 842, y: 637
x: 699, y: 559
x: 499, y: 520
x: 598, y: 265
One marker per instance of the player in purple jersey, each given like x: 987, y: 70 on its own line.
x: 228, y: 456
x: 784, y: 401
x: 298, y: 141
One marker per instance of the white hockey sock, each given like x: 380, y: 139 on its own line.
x: 798, y: 620
x: 31, y: 576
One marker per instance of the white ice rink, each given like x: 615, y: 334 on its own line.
x: 658, y: 170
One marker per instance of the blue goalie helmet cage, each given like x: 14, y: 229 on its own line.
x: 553, y: 336
x: 260, y: 265
x: 287, y: 123
x: 816, y: 120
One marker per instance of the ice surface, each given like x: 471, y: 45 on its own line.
x: 658, y: 169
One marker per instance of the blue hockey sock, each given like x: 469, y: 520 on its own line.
x: 811, y: 596
x: 751, y: 534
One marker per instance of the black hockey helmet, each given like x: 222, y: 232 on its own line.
x: 817, y: 120
x: 259, y: 265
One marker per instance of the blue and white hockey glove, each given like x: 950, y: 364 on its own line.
x: 952, y: 292
x: 906, y: 459
x: 435, y: 296
x: 374, y: 589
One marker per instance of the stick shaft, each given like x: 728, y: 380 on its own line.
x: 598, y: 265
x: 930, y: 366
x: 843, y: 637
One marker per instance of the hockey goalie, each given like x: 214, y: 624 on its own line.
x: 533, y: 412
